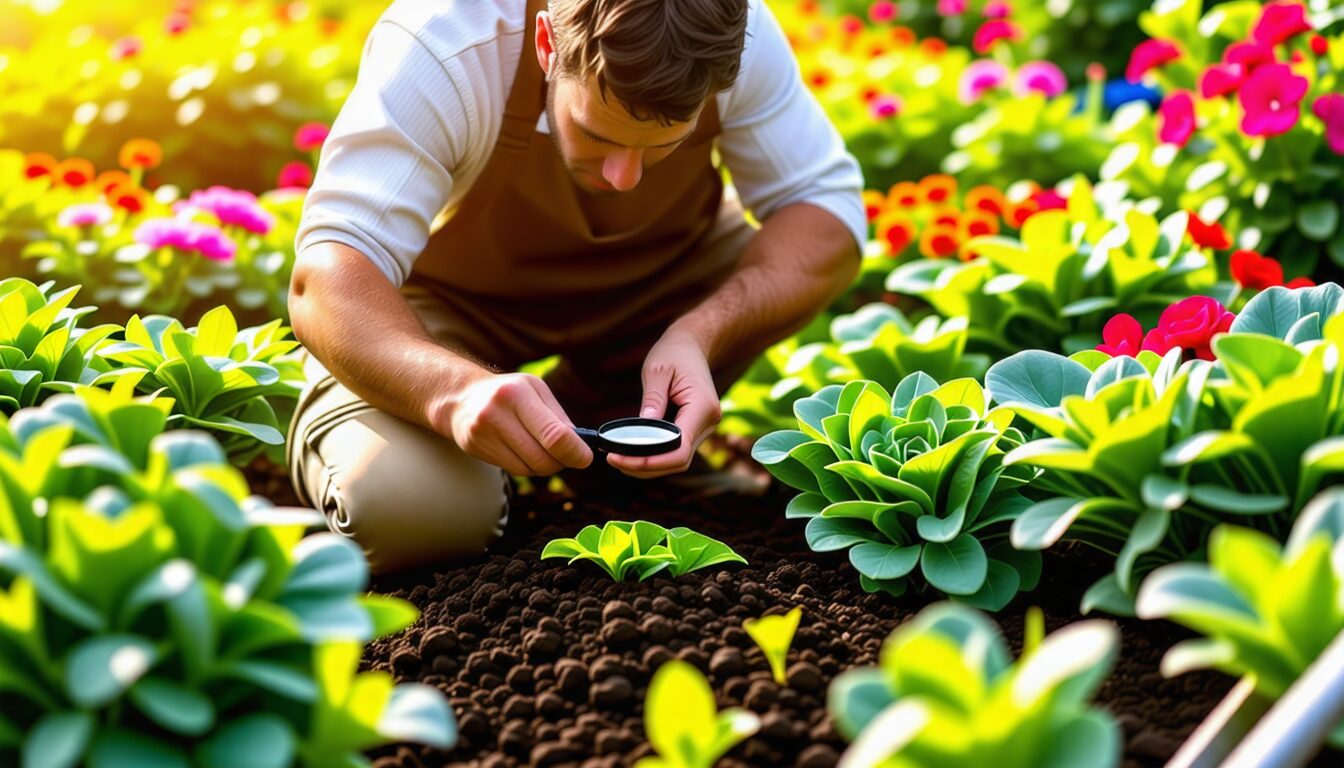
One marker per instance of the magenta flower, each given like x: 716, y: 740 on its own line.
x: 993, y: 31
x: 126, y: 47
x: 998, y: 9
x: 1221, y: 79
x: 951, y: 7
x: 185, y: 235
x: 1149, y: 55
x: 884, y: 106
x: 294, y: 174
x: 1330, y: 109
x: 233, y: 208
x: 1249, y: 55
x: 310, y: 136
x: 1122, y: 335
x: 1176, y: 118
x: 1270, y: 98
x: 85, y: 215
x: 1040, y: 77
x: 881, y: 11
x: 1191, y: 324
x: 1280, y: 22
x: 980, y: 76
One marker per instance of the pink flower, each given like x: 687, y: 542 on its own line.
x: 1221, y: 79
x: 1041, y: 77
x: 951, y: 7
x: 1122, y: 335
x: 993, y: 31
x: 233, y: 208
x: 1191, y: 324
x: 1248, y: 54
x: 177, y: 23
x: 1149, y: 55
x: 85, y: 215
x: 998, y: 9
x: 1330, y: 109
x: 884, y: 106
x: 980, y: 76
x: 185, y: 235
x: 295, y: 174
x: 1176, y: 119
x: 126, y: 47
x: 1049, y: 200
x: 1270, y: 99
x: 310, y: 136
x: 1280, y: 22
x: 881, y: 11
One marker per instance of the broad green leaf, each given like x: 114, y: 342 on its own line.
x: 418, y: 713
x: 58, y: 740
x: 958, y: 567
x: 263, y: 740
x: 1036, y: 379
x: 884, y: 561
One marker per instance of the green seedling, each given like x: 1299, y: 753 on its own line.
x: 683, y: 723
x: 773, y: 635
x: 642, y: 548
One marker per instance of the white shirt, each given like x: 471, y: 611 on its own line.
x: 426, y: 110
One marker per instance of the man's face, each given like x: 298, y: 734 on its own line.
x: 602, y: 145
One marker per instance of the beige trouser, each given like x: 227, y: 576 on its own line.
x: 408, y: 495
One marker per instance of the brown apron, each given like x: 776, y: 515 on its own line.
x: 531, y: 265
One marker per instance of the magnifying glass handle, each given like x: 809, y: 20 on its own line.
x: 591, y: 437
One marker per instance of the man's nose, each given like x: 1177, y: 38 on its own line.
x: 623, y: 168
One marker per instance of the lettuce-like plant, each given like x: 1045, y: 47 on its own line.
x: 683, y: 723
x: 222, y: 379
x: 1264, y: 610
x: 643, y: 548
x: 910, y: 479
x: 167, y: 618
x: 773, y: 635
x: 946, y: 692
x: 41, y: 349
x: 1069, y: 271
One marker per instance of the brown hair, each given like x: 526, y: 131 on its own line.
x: 662, y: 59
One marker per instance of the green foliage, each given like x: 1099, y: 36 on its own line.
x: 911, y: 478
x: 1264, y: 610
x: 152, y: 613
x: 642, y: 548
x: 41, y: 348
x: 877, y: 343
x: 1143, y: 458
x: 946, y: 693
x: 773, y: 635
x: 684, y: 724
x: 1068, y: 272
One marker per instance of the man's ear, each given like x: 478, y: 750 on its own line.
x: 545, y: 43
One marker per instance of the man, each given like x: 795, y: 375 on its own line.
x: 445, y: 242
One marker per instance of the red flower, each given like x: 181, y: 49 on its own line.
x: 851, y: 25
x: 993, y: 31
x: 1319, y: 45
x: 1270, y: 99
x: 1148, y: 55
x: 1221, y: 79
x: 1177, y: 119
x: 1191, y: 324
x: 295, y: 174
x: 1207, y: 235
x: 1330, y: 108
x: 1248, y: 54
x: 1254, y: 271
x: 1280, y: 22
x: 310, y: 136
x: 1300, y: 282
x: 1122, y: 335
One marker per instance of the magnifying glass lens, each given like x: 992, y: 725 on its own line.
x: 638, y: 435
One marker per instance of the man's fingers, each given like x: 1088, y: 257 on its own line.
x: 548, y: 398
x: 554, y: 436
x: 657, y: 382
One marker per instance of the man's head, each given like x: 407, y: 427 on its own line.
x: 629, y: 78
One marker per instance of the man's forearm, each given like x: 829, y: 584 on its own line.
x: 796, y: 265
x: 358, y: 325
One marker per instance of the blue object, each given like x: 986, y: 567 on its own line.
x: 1121, y: 91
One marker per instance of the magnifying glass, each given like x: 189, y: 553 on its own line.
x: 633, y: 437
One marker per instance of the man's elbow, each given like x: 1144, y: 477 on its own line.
x: 301, y: 299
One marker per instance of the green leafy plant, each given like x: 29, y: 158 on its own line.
x: 914, y: 478
x: 41, y: 348
x: 1054, y: 286
x: 1264, y: 610
x: 643, y: 548
x: 773, y: 635
x: 684, y: 724
x: 155, y: 614
x: 947, y: 693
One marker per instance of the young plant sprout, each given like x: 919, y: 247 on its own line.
x: 773, y: 635
x: 683, y: 723
x: 643, y: 548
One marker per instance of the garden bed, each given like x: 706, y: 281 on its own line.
x: 547, y: 664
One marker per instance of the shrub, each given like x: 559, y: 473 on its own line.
x: 642, y: 548
x: 911, y: 478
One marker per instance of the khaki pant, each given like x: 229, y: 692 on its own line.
x: 408, y: 495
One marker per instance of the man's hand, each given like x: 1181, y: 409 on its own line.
x: 513, y: 421
x: 675, y: 373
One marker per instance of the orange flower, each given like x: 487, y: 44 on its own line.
x: 904, y: 194
x: 109, y: 179
x: 938, y: 188
x: 873, y: 203
x: 1018, y: 213
x: 897, y: 232
x: 75, y: 172
x: 986, y: 198
x: 129, y: 198
x: 903, y: 37
x: 140, y: 153
x: 947, y: 217
x: 38, y: 164
x: 934, y: 46
x: 938, y: 242
x: 976, y: 224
